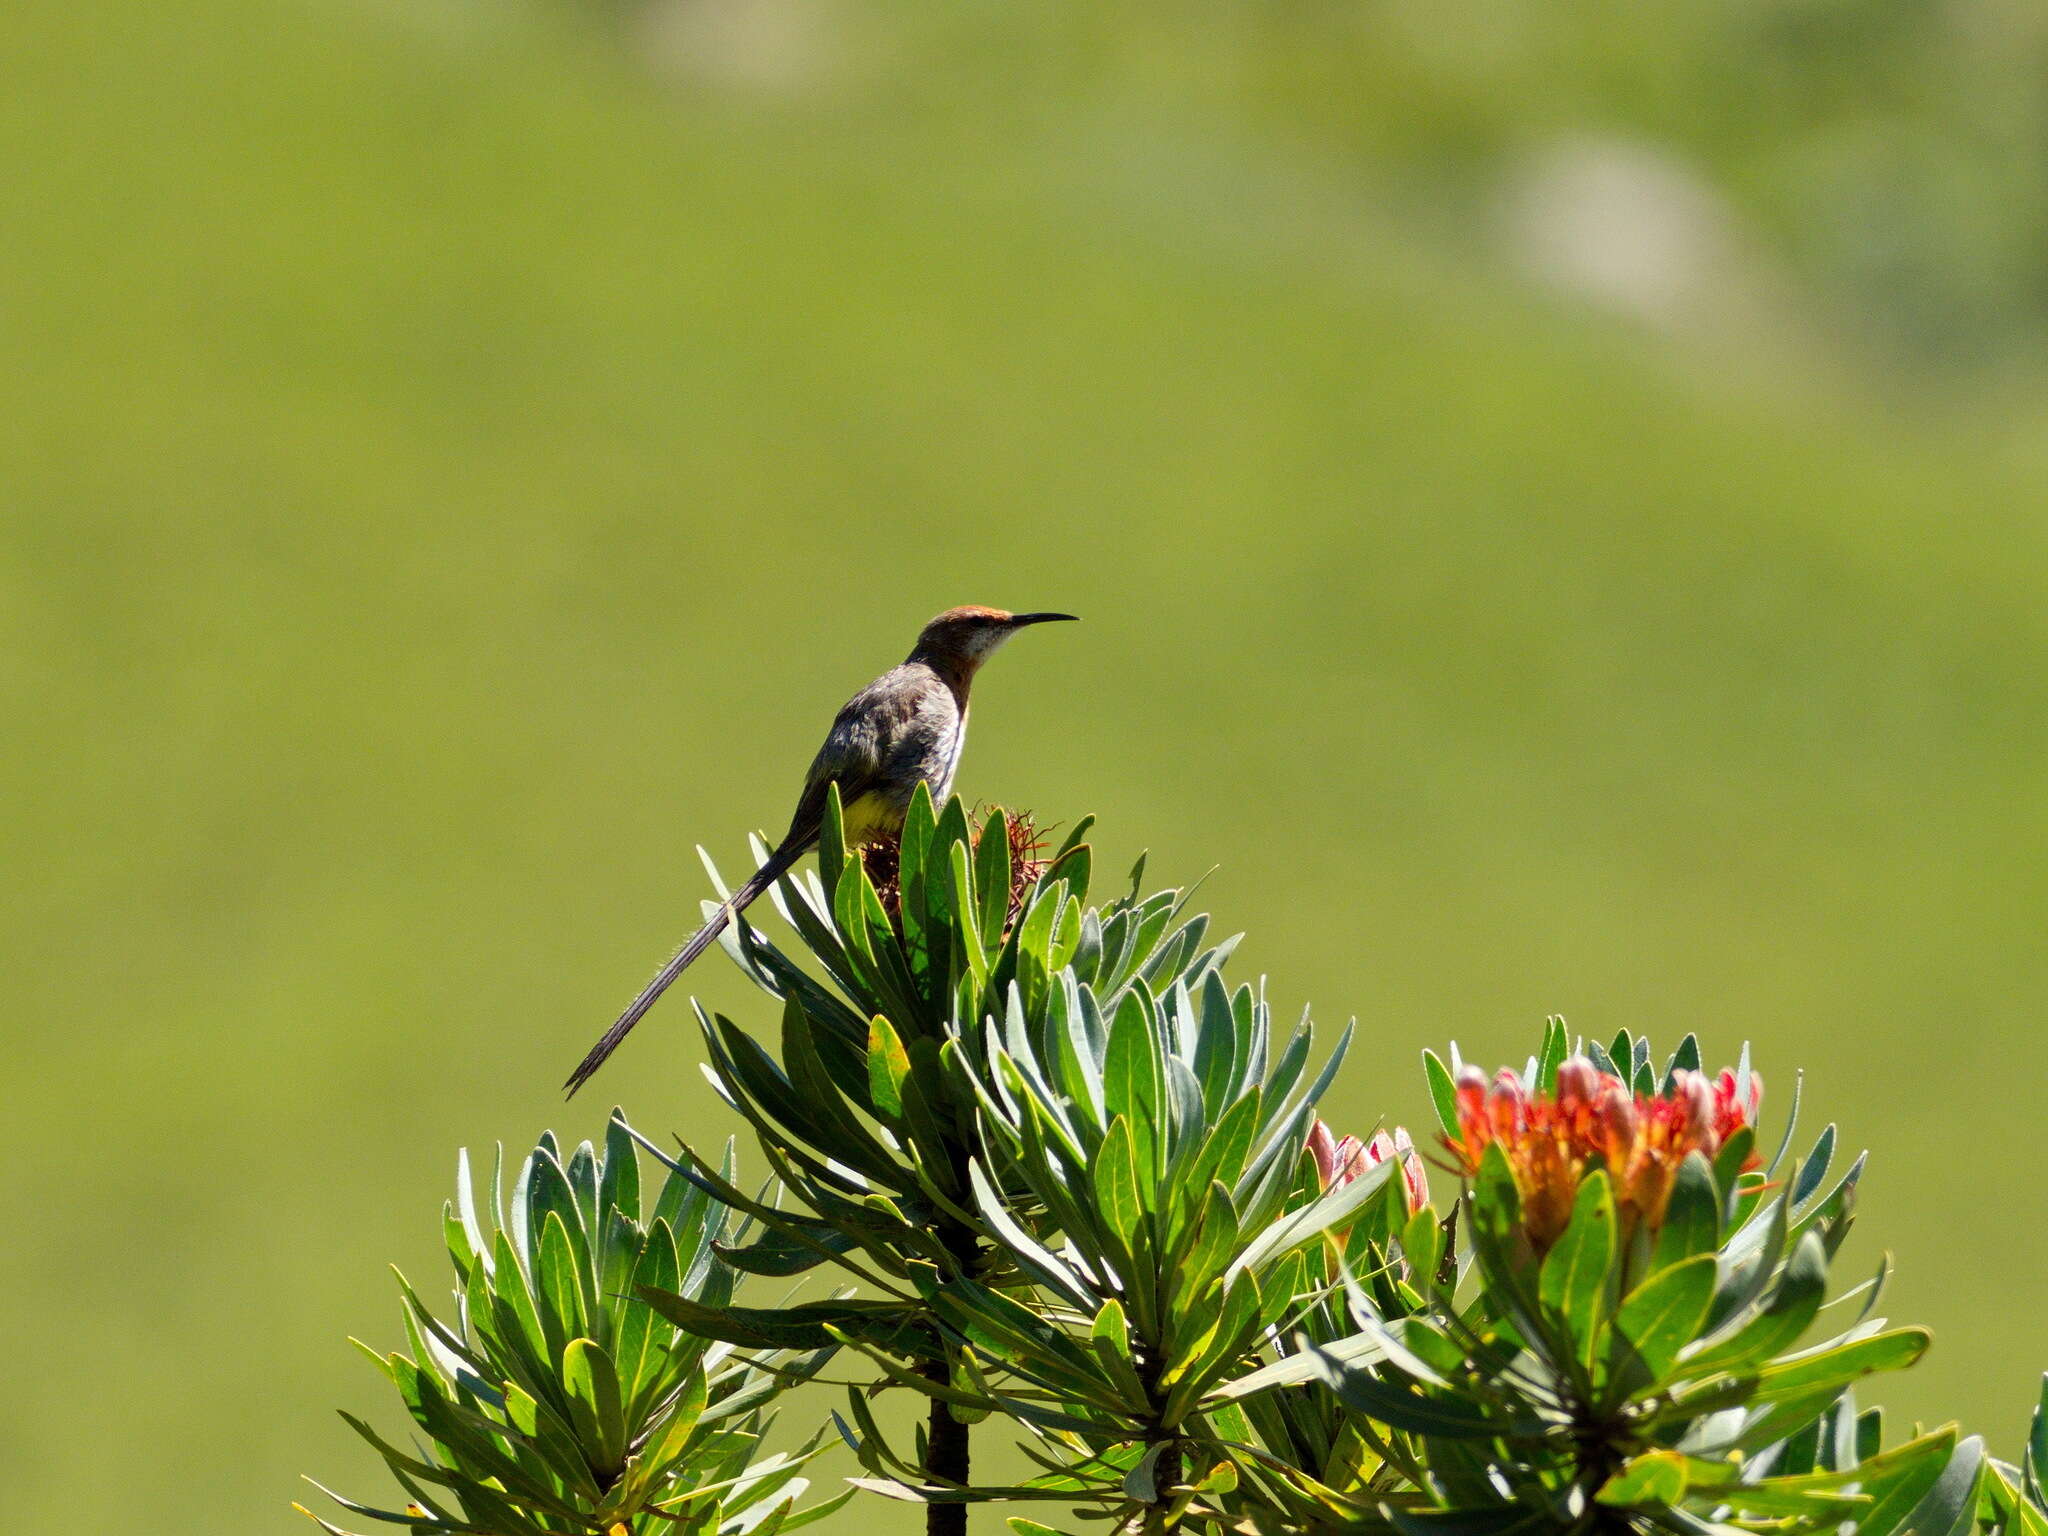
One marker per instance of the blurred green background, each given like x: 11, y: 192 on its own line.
x: 1555, y: 490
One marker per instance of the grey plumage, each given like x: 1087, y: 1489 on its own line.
x: 905, y: 728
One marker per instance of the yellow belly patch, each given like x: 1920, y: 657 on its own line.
x: 873, y: 816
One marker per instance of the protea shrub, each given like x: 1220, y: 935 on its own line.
x: 1042, y: 1166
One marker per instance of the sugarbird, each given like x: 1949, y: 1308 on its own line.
x: 904, y: 729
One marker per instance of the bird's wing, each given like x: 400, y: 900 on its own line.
x: 856, y: 751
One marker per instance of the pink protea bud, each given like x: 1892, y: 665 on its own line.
x: 1339, y: 1162
x: 1350, y: 1159
x: 1577, y: 1081
x: 1385, y: 1148
x: 1729, y: 1109
x: 1471, y: 1095
x: 1617, y: 1115
x: 1731, y: 1114
x: 1506, y: 1102
x: 1322, y: 1146
x: 1692, y: 1092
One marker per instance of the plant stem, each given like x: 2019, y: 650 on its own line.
x: 1171, y: 1466
x: 946, y: 1459
x: 1167, y: 1472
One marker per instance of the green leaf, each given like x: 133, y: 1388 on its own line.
x: 1116, y: 1184
x: 1749, y: 1258
x: 594, y: 1405
x: 1031, y: 1256
x: 583, y: 1178
x: 1025, y: 1341
x: 780, y: 1251
x: 1692, y: 1217
x: 805, y: 1326
x: 831, y: 842
x: 1443, y: 1092
x: 1577, y: 1272
x: 1909, y: 1472
x: 547, y: 1190
x: 1216, y: 1047
x: 465, y: 1205
x: 472, y: 1441
x: 766, y: 1095
x: 913, y: 844
x: 1728, y: 1161
x: 1422, y: 1245
x: 1950, y: 1506
x: 1311, y: 1221
x: 1072, y: 840
x: 888, y: 1065
x: 973, y: 946
x: 2009, y: 1510
x: 1033, y: 942
x: 1685, y: 1059
x: 1222, y: 1344
x: 1411, y: 1345
x: 1419, y: 1413
x: 1655, y: 1478
x: 1493, y: 1208
x: 619, y: 1189
x: 1663, y: 1314
x: 670, y: 1437
x: 1304, y: 1366
x: 1556, y: 1045
x: 641, y: 1335
x: 1110, y: 1335
x: 1794, y: 1301
x: 1134, y: 1082
x: 514, y: 1312
x: 1139, y: 1484
x: 1216, y: 1235
x: 1837, y: 1367
x: 2035, y: 1464
x: 1815, y: 1168
x: 558, y: 1285
x: 1066, y: 936
x: 992, y: 872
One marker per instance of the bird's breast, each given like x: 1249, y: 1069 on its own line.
x: 942, y: 783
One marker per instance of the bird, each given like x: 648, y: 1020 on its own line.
x: 904, y: 729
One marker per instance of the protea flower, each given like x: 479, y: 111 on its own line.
x: 1340, y: 1162
x: 1550, y: 1139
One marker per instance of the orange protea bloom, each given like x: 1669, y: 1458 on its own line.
x: 1552, y: 1139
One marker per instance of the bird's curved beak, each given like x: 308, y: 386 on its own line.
x: 1019, y: 620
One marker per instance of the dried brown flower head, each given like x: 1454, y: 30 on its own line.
x: 1027, y: 860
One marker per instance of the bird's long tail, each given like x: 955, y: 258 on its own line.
x: 701, y: 940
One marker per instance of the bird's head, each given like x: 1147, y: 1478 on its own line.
x: 964, y: 638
